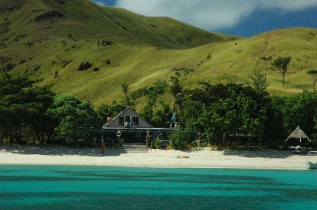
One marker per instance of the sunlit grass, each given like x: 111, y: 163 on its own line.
x: 147, y: 53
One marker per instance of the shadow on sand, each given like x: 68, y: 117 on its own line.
x: 60, y: 151
x: 260, y: 153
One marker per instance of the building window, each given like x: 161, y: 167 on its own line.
x: 127, y: 119
x: 135, y: 121
x: 121, y: 120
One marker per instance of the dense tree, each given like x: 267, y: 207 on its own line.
x: 275, y: 132
x: 152, y: 93
x: 176, y: 90
x: 313, y: 74
x: 148, y: 113
x: 127, y: 101
x: 300, y: 109
x: 162, y: 116
x: 286, y: 113
x: 23, y: 107
x: 113, y: 110
x: 281, y: 63
x: 38, y: 100
x: 242, y: 111
x: 75, y: 118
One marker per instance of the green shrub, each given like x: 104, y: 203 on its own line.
x: 180, y: 139
x: 158, y: 143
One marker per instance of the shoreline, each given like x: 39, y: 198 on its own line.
x: 167, y: 167
x: 200, y: 158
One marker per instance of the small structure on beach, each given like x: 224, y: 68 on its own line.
x: 298, y: 134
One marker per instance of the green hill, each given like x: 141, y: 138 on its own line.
x: 54, y: 19
x: 87, y: 50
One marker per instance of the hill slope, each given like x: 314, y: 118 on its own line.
x: 89, y: 52
x: 86, y: 20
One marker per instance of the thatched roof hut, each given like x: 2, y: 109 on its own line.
x: 298, y: 134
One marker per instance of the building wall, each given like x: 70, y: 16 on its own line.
x: 129, y: 112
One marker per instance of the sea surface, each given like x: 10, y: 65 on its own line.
x: 69, y: 187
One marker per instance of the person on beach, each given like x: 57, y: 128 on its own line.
x: 103, y: 148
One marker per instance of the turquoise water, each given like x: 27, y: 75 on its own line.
x: 68, y: 187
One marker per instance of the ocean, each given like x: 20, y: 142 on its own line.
x: 73, y: 187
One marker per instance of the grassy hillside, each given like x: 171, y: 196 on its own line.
x: 122, y: 46
x: 86, y: 20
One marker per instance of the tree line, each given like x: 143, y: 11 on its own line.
x: 32, y: 114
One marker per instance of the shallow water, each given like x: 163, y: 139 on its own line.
x: 68, y: 187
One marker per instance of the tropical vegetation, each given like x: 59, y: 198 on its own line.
x: 31, y: 114
x: 65, y: 70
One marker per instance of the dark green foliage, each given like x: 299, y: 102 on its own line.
x: 4, y: 26
x: 275, y: 133
x: 127, y: 101
x: 147, y: 113
x: 75, y: 118
x: 221, y: 109
x: 113, y: 110
x: 125, y: 88
x: 258, y: 81
x: 313, y: 74
x: 281, y: 63
x: 300, y: 109
x: 22, y: 108
x: 208, y: 56
x: 184, y: 70
x: 266, y: 58
x: 194, y: 100
x: 162, y: 116
x: 70, y: 36
x: 64, y: 43
x: 176, y: 87
x: 28, y: 44
x: 181, y: 139
x: 104, y: 111
x: 242, y: 111
x: 152, y: 94
x: 154, y: 91
x: 286, y: 113
x: 139, y: 93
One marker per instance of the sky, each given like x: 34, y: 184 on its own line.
x: 235, y: 17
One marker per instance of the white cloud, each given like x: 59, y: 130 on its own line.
x: 100, y: 3
x: 210, y: 14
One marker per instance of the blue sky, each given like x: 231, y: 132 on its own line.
x: 236, y: 17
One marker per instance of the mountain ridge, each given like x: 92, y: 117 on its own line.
x: 88, y: 53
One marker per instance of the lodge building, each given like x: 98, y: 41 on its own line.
x: 130, y: 127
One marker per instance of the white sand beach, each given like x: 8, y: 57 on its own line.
x: 202, y: 158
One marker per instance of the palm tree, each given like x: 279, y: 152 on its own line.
x: 125, y: 88
x: 126, y: 100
